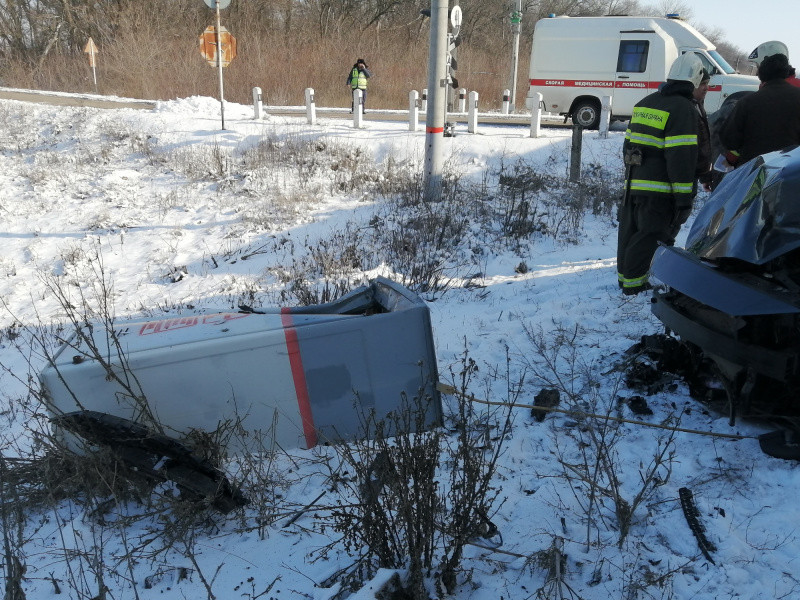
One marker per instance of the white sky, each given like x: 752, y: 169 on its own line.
x: 747, y: 23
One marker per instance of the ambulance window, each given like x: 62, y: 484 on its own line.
x: 632, y: 56
x: 710, y: 67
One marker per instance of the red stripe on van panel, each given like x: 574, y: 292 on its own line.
x: 587, y: 83
x: 299, y: 378
x: 715, y: 88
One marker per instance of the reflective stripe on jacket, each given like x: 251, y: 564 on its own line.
x: 358, y: 79
x: 664, y: 126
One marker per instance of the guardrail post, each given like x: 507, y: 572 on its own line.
x: 575, y: 154
x: 311, y: 108
x: 358, y: 108
x: 536, y: 115
x: 257, y: 104
x: 472, y: 118
x: 462, y: 100
x: 605, y: 116
x: 413, y: 110
x: 425, y: 100
x: 506, y: 101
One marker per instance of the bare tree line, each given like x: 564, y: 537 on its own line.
x: 148, y: 48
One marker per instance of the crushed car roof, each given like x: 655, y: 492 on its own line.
x: 754, y: 214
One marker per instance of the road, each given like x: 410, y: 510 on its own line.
x: 97, y: 101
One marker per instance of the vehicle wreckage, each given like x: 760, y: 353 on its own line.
x: 289, y: 378
x: 734, y: 291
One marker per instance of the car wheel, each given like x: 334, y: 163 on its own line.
x: 587, y: 114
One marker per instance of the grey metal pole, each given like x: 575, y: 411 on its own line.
x: 219, y: 66
x: 516, y: 25
x: 434, y: 117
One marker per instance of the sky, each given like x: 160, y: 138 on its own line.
x: 747, y: 23
x: 178, y: 217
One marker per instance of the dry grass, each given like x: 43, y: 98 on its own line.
x: 143, y: 60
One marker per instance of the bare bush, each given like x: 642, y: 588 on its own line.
x: 417, y: 497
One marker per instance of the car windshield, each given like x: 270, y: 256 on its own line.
x: 723, y: 64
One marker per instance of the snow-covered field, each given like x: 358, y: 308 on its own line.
x: 173, y: 214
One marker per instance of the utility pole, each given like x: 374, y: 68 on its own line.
x: 437, y: 86
x: 516, y: 27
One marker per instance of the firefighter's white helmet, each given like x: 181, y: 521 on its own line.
x: 768, y: 49
x: 687, y: 67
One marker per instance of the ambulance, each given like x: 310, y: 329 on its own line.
x: 576, y: 61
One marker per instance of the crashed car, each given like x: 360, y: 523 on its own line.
x: 734, y: 291
x: 292, y: 377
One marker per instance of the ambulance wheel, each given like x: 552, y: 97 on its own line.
x: 587, y: 114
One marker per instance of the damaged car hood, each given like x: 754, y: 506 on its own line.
x: 754, y: 214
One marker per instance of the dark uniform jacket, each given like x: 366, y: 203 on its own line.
x: 763, y: 121
x: 704, y: 154
x: 664, y: 127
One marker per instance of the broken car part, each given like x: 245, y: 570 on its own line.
x: 295, y: 377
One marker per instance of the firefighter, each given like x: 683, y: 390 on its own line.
x: 660, y: 153
x: 768, y: 119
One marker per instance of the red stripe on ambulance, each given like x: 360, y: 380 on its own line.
x: 299, y: 378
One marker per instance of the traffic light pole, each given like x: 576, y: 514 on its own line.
x: 437, y: 90
x: 219, y: 66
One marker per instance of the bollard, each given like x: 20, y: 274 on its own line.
x: 358, y: 108
x: 536, y: 115
x: 311, y: 108
x: 506, y: 101
x: 413, y: 110
x: 472, y: 118
x: 462, y: 100
x: 425, y: 100
x: 575, y: 154
x: 605, y: 116
x: 257, y: 104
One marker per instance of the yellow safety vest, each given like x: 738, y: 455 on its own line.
x: 358, y: 81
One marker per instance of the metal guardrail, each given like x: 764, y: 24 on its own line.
x: 98, y: 101
x: 486, y: 118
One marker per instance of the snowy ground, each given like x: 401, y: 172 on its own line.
x: 151, y: 196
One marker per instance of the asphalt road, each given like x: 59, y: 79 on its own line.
x: 97, y: 101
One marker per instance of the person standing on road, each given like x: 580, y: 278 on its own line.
x: 357, y: 80
x: 660, y: 153
x: 768, y: 119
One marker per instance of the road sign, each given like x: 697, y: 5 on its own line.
x: 455, y: 17
x: 91, y: 50
x: 453, y: 41
x: 208, y: 45
x: 222, y: 3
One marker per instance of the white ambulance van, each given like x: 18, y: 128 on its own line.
x: 575, y: 61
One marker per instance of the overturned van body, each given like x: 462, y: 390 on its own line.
x: 297, y: 377
x: 735, y: 290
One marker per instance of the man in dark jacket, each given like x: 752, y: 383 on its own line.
x: 660, y: 151
x: 704, y: 153
x: 768, y: 119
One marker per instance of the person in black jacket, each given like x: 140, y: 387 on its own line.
x: 660, y: 151
x: 768, y: 119
x: 704, y: 171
